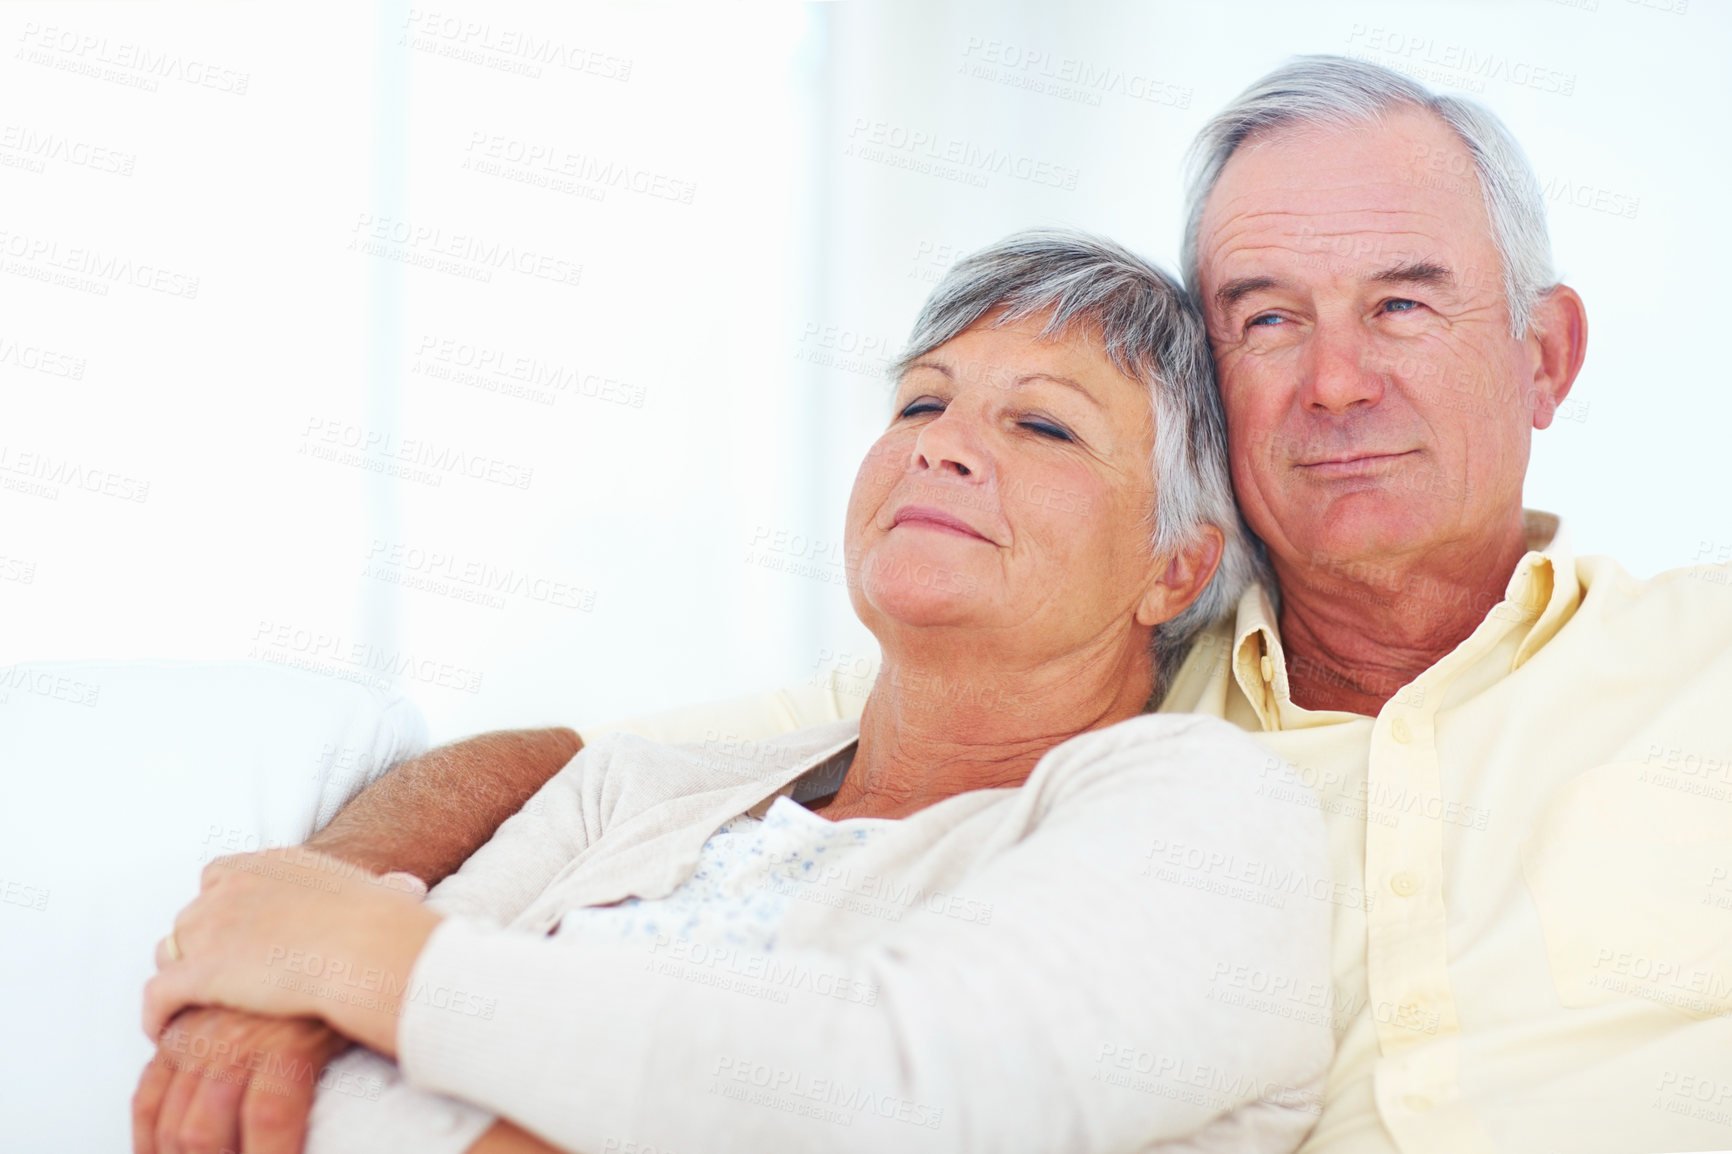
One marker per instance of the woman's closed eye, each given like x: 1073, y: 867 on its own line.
x: 1046, y: 428
x: 1036, y: 423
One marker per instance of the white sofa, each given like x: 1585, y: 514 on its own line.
x: 118, y: 780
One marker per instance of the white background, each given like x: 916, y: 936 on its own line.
x: 234, y: 208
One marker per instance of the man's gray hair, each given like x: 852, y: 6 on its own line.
x: 1152, y: 333
x: 1340, y: 92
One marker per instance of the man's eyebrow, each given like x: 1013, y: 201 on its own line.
x: 1234, y: 291
x: 1425, y: 272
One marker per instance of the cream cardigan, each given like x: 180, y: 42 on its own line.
x: 1061, y: 966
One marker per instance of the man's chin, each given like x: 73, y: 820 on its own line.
x: 1366, y: 528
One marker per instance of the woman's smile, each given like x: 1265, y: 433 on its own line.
x: 926, y: 517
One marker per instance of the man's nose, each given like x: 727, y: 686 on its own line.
x: 951, y: 443
x: 1342, y: 375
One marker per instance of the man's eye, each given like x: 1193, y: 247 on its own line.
x: 921, y: 405
x: 1400, y: 305
x: 1266, y: 320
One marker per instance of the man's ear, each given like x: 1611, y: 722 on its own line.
x: 1557, y: 341
x: 1182, y: 581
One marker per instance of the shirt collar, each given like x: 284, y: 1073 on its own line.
x: 1259, y: 665
x: 1544, y: 582
x: 1544, y: 591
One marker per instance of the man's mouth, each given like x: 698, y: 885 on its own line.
x: 1357, y: 464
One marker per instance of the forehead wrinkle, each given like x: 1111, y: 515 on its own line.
x: 1248, y: 222
x: 1304, y: 174
x: 1242, y: 238
x: 1228, y: 223
x: 1271, y: 194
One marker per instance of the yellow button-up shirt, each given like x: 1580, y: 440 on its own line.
x: 1532, y: 845
x: 1542, y: 824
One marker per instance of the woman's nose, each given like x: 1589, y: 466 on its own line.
x: 950, y: 443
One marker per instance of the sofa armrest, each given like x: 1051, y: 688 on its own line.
x: 120, y: 780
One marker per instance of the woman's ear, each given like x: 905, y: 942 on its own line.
x: 1183, y: 579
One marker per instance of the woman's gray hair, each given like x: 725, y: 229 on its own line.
x: 1152, y: 333
x: 1340, y: 92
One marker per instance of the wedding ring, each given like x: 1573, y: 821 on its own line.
x: 173, y: 947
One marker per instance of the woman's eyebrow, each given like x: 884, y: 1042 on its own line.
x: 1029, y: 378
x: 1015, y: 382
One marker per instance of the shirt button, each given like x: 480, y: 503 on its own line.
x: 1400, y: 731
x: 1418, y: 1103
x: 1405, y: 884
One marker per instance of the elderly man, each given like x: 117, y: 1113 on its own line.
x: 1527, y: 784
x: 1520, y: 752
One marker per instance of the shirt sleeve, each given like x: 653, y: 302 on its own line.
x: 503, y: 877
x: 1073, y: 1001
x: 363, y: 1106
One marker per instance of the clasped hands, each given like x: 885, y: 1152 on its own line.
x: 320, y: 947
x: 293, y: 933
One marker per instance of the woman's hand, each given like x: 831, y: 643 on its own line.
x: 293, y: 933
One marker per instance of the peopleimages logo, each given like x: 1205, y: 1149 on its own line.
x: 1065, y: 77
x: 409, y: 457
x: 950, y: 157
x: 518, y: 374
x: 42, y: 683
x: 42, y: 475
x: 34, y: 150
x: 90, y: 269
x: 469, y: 578
x: 541, y: 162
x: 461, y: 254
x: 505, y: 48
x: 794, y: 1091
x: 36, y: 359
x: 1462, y: 65
x: 369, y: 664
x: 123, y: 62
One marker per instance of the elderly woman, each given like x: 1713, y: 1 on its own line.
x: 1001, y: 912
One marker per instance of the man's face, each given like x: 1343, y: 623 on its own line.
x: 1377, y: 406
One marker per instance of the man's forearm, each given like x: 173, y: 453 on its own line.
x: 429, y: 814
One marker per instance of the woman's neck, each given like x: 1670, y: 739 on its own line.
x: 934, y: 728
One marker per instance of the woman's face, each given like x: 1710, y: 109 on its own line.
x: 1010, y: 497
